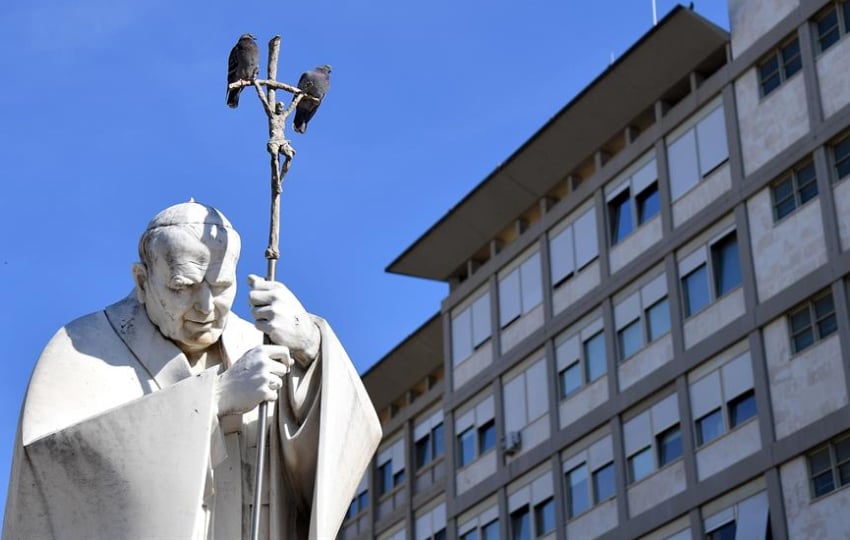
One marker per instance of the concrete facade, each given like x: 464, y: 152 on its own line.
x: 663, y: 379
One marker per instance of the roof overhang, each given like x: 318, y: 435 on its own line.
x: 408, y: 363
x: 665, y: 55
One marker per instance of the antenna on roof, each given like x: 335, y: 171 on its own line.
x: 654, y: 14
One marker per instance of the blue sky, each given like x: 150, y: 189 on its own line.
x: 114, y: 109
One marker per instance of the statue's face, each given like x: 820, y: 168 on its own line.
x: 189, y: 289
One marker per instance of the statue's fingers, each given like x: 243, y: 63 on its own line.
x: 262, y: 313
x: 281, y: 357
x: 261, y: 297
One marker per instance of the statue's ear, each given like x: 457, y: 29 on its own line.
x: 140, y: 277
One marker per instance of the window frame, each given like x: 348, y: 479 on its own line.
x: 708, y: 262
x: 836, y: 161
x: 842, y: 25
x: 834, y: 467
x: 588, y: 215
x: 521, y: 269
x: 814, y: 322
x: 631, y: 192
x: 796, y: 195
x: 431, y: 446
x: 782, y: 65
x: 470, y: 310
x: 583, y: 360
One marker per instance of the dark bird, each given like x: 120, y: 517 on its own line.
x: 314, y: 83
x: 243, y: 63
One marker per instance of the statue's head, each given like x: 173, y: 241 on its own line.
x: 186, y: 277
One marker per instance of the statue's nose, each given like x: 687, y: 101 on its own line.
x: 204, y: 299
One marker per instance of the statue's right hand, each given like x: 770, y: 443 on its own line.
x: 254, y: 378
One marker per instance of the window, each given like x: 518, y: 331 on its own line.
x: 581, y: 362
x: 359, y: 504
x: 794, y: 190
x: 742, y: 408
x: 525, y: 396
x: 490, y: 531
x: 640, y: 464
x: 831, y: 24
x: 812, y: 322
x: 476, y: 430
x: 841, y: 157
x: 486, y: 436
x: 695, y: 287
x: 471, y: 535
x: 429, y: 446
x: 633, y: 202
x: 653, y: 432
x: 629, y: 339
x: 709, y: 427
x: 385, y: 478
x: 620, y: 210
x: 829, y: 466
x: 578, y: 490
x: 470, y: 328
x: 544, y: 517
x: 724, y: 532
x: 723, y: 272
x: 726, y: 264
x: 669, y: 445
x: 570, y: 380
x: 642, y: 317
x: 466, y: 447
x: 603, y: 483
x: 658, y: 319
x: 521, y: 524
x: 723, y: 399
x: 573, y: 247
x: 697, y: 152
x: 594, y: 352
x: 520, y: 290
x: 779, y: 66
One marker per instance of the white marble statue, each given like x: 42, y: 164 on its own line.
x: 140, y: 420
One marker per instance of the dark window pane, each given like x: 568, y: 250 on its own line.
x: 620, y: 209
x: 695, y: 287
x: 352, y: 510
x: 825, y: 314
x: 845, y: 8
x: 570, y: 380
x: 803, y: 340
x: 658, y: 319
x: 807, y: 185
x: 385, y: 478
x: 770, y: 84
x: 842, y: 450
x: 742, y: 408
x: 423, y: 451
x: 640, y: 464
x: 669, y: 445
x: 439, y: 535
x: 466, y: 447
x: 769, y: 69
x: 783, y: 198
x: 828, y: 32
x: 827, y: 326
x: 544, y: 517
x: 629, y: 340
x: 490, y: 531
x: 844, y: 474
x: 603, y: 483
x: 791, y: 58
x: 709, y: 427
x: 471, y: 535
x: 521, y: 524
x: 819, y: 461
x: 824, y: 306
x: 823, y: 483
x: 363, y: 500
x: 578, y: 492
x: 594, y: 354
x: 800, y: 320
x: 438, y: 447
x: 486, y: 437
x: 727, y: 267
x: 398, y: 478
x: 724, y: 532
x: 648, y: 204
x: 841, y: 154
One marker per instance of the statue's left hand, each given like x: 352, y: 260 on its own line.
x: 278, y: 314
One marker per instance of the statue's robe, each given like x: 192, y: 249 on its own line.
x: 119, y: 439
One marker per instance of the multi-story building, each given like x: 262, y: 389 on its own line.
x: 647, y: 330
